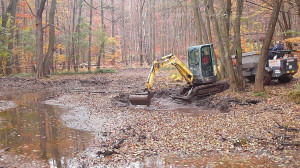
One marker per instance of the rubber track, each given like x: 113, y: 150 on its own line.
x: 206, y: 90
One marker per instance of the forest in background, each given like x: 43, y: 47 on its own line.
x: 47, y: 36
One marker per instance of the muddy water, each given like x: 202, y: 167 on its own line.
x: 35, y: 129
x: 210, y: 160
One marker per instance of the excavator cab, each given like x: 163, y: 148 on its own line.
x: 202, y: 64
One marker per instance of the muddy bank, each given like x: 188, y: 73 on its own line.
x: 83, y: 115
x: 250, y: 126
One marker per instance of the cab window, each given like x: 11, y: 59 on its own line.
x: 194, y: 57
x: 206, y: 62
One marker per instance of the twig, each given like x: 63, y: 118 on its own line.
x: 52, y: 25
x: 30, y: 8
x: 280, y: 135
x: 289, y: 129
x: 280, y: 126
x: 95, y: 8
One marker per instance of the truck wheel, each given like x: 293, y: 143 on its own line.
x: 285, y: 79
x: 267, y: 78
x: 251, y: 79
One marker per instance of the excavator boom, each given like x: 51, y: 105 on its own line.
x: 167, y: 60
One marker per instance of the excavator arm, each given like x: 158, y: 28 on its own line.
x: 167, y: 60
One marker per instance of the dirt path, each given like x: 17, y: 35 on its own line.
x: 262, y: 131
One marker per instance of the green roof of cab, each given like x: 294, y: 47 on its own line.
x: 198, y: 46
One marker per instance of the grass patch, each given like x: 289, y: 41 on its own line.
x: 295, y: 94
x: 261, y: 94
x: 86, y: 72
x: 20, y: 75
x: 24, y: 75
x: 105, y: 71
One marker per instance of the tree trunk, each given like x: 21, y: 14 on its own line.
x: 72, y: 55
x: 11, y: 10
x: 259, y: 79
x: 208, y: 23
x: 78, y: 31
x: 2, y: 8
x: 39, y: 36
x: 197, y: 21
x: 204, y: 32
x: 51, y: 45
x: 217, y: 33
x: 102, y: 51
x: 90, y: 37
x: 141, y: 20
x: 17, y: 60
x: 113, y: 30
x: 298, y: 7
x: 238, y: 45
x: 153, y: 52
x: 226, y: 41
x: 124, y: 49
x: 286, y: 17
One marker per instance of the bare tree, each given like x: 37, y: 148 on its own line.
x: 102, y: 45
x: 78, y: 31
x: 197, y: 20
x: 113, y: 29
x: 72, y: 52
x: 141, y: 26
x: 259, y: 78
x: 51, y: 45
x: 40, y: 6
x: 238, y: 45
x: 10, y: 11
x: 217, y: 33
x: 90, y: 36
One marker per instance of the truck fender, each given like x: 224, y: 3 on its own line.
x: 268, y: 69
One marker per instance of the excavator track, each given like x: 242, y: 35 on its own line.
x: 205, y: 90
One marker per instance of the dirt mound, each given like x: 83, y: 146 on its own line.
x: 223, y: 104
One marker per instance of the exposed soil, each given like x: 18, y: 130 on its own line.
x: 261, y: 131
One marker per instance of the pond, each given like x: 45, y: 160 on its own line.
x: 36, y: 130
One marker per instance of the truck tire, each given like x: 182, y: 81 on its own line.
x: 267, y: 78
x: 285, y: 79
x: 251, y: 79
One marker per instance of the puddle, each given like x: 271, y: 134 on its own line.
x: 35, y: 129
x: 213, y: 161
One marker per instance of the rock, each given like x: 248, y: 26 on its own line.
x: 106, y: 153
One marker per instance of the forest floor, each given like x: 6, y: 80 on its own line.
x: 227, y: 129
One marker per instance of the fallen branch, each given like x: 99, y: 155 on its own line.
x: 290, y: 144
x: 281, y: 135
x: 289, y: 129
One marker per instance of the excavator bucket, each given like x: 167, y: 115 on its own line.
x: 141, y: 99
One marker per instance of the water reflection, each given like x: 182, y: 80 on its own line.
x: 36, y: 130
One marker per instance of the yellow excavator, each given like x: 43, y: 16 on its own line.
x: 201, y: 75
